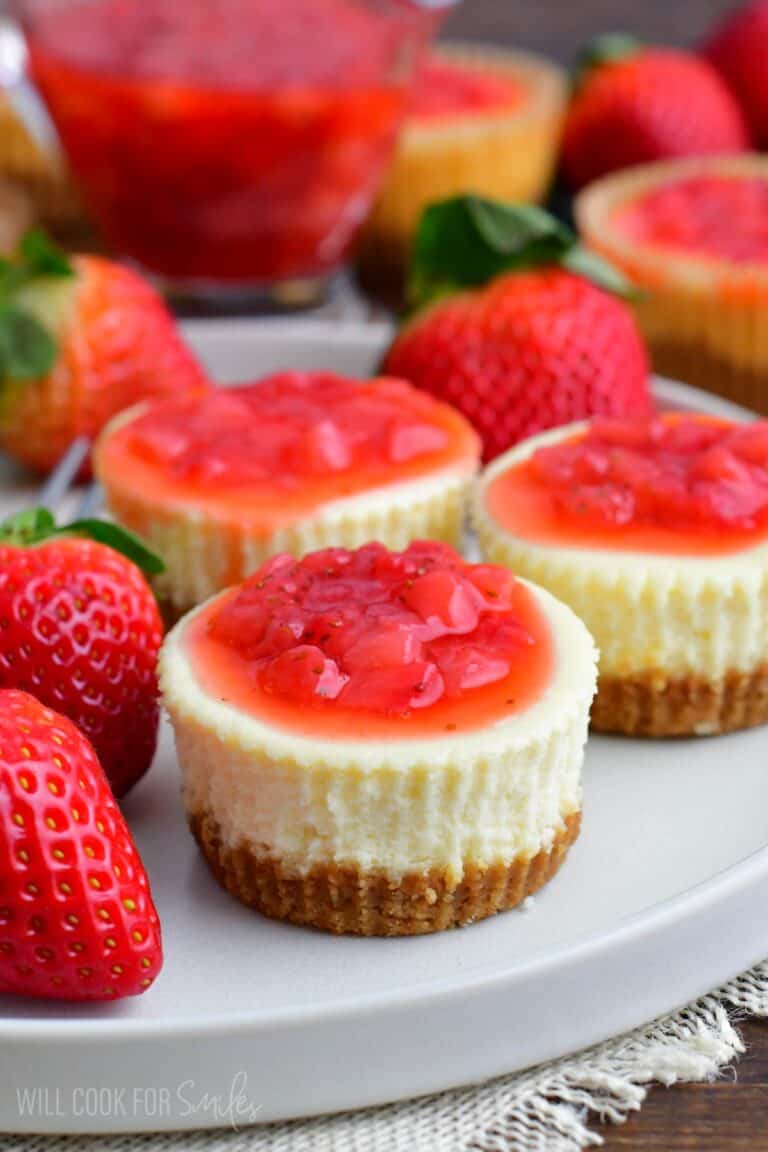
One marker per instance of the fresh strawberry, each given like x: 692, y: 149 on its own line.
x: 633, y: 105
x: 77, y: 920
x: 738, y: 49
x: 539, y: 345
x: 80, y: 630
x: 79, y: 341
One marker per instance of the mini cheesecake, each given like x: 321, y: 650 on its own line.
x: 656, y: 534
x: 481, y: 120
x: 693, y: 235
x: 38, y: 176
x: 220, y: 481
x: 381, y: 743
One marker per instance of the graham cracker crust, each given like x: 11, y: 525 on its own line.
x: 347, y: 900
x: 650, y: 705
x: 695, y: 365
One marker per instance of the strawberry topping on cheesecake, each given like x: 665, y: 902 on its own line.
x: 363, y: 644
x: 681, y: 484
x: 277, y: 449
x: 447, y: 89
x: 722, y: 217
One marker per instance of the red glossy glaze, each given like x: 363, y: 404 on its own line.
x: 273, y: 451
x: 676, y: 484
x: 357, y: 645
x: 725, y: 218
x: 445, y: 90
x: 242, y: 143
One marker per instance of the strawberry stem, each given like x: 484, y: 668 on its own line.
x: 27, y: 348
x: 27, y: 527
x: 608, y: 49
x: 466, y: 241
x: 36, y: 525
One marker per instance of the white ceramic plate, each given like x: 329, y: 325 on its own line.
x: 663, y: 897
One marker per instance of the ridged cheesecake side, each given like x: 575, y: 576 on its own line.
x: 205, y: 551
x: 507, y: 154
x: 705, y: 319
x: 683, y: 640
x: 397, y: 838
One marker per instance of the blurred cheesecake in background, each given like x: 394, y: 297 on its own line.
x: 16, y: 215
x: 693, y: 236
x: 35, y: 185
x: 481, y: 120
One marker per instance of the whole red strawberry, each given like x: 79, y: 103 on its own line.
x: 77, y: 920
x: 738, y: 49
x: 538, y: 346
x: 79, y: 341
x: 80, y: 629
x: 633, y: 105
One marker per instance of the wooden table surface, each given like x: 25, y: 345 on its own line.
x: 732, y: 1114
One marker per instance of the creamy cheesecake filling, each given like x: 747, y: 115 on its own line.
x: 204, y: 554
x: 674, y: 614
x: 493, y: 794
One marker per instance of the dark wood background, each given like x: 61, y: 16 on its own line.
x: 732, y: 1114
x: 560, y: 27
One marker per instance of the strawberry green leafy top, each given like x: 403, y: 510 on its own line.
x: 27, y: 349
x: 36, y: 525
x: 466, y: 241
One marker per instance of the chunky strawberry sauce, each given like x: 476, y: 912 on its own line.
x: 270, y: 452
x: 725, y: 218
x: 235, y: 141
x: 445, y: 90
x: 361, y: 644
x: 677, y: 484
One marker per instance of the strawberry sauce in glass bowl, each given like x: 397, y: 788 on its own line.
x: 227, y: 145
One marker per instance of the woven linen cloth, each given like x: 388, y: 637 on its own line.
x: 553, y: 1108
